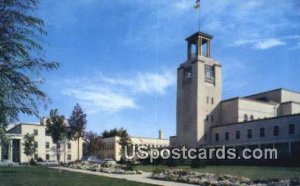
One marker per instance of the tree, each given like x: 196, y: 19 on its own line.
x: 21, y: 60
x: 124, y: 141
x: 29, y: 146
x: 93, y: 142
x: 77, y: 123
x: 56, y: 127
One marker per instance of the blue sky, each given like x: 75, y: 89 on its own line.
x: 119, y: 58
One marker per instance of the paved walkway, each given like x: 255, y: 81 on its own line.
x: 144, y: 178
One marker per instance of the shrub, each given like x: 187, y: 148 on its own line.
x: 196, y: 163
x: 158, y: 170
x: 32, y: 162
x: 40, y: 159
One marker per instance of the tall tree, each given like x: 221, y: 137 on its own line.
x: 22, y: 60
x: 77, y: 123
x: 93, y: 142
x: 124, y: 141
x: 29, y: 146
x: 56, y: 127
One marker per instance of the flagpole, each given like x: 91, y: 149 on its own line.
x: 199, y: 17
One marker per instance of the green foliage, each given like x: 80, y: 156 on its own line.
x: 29, y: 147
x: 93, y: 143
x: 112, y: 133
x: 56, y: 127
x: 196, y: 163
x: 158, y: 170
x: 32, y: 162
x: 77, y: 122
x: 21, y: 59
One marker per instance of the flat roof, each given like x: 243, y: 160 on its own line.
x: 263, y: 119
x: 274, y: 90
x: 196, y: 34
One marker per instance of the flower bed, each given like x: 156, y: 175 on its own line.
x: 184, y: 176
x: 114, y: 169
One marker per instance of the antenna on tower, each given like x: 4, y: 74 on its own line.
x: 197, y: 6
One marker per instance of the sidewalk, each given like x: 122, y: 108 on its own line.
x: 144, y: 178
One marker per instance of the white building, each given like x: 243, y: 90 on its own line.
x: 112, y: 149
x: 269, y: 118
x: 45, y: 148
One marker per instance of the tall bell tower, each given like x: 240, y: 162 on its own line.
x: 199, y: 87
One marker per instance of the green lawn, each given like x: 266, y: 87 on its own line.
x: 43, y: 176
x: 253, y: 172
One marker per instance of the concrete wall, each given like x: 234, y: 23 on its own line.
x: 112, y: 149
x: 268, y: 124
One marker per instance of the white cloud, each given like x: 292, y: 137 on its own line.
x: 101, y: 99
x: 111, y: 94
x: 268, y: 43
x: 145, y: 82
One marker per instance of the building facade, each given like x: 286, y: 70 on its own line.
x: 269, y: 118
x: 112, y: 150
x: 45, y: 148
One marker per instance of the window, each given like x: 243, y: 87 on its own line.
x: 36, y: 144
x: 212, y: 101
x: 69, y: 145
x: 36, y: 156
x: 212, y: 118
x: 251, y: 117
x: 69, y: 157
x: 276, y: 131
x: 206, y: 117
x: 238, y: 134
x: 35, y: 132
x: 262, y: 132
x: 249, y: 133
x: 217, y: 136
x: 47, y: 145
x: 227, y: 136
x: 47, y: 133
x: 47, y: 157
x: 209, y: 74
x: 245, y: 117
x: 187, y: 73
x: 291, y: 129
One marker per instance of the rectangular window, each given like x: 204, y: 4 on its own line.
x: 47, y: 157
x: 249, y: 133
x: 36, y: 144
x: 69, y: 145
x: 209, y: 74
x: 69, y: 157
x: 212, y: 101
x: 35, y: 132
x: 188, y: 73
x: 206, y: 117
x: 227, y: 136
x: 291, y: 129
x: 47, y: 145
x: 276, y: 131
x: 262, y: 132
x: 36, y: 156
x: 212, y: 118
x: 217, y: 136
x: 238, y: 134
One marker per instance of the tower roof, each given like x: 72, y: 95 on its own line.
x: 195, y: 35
